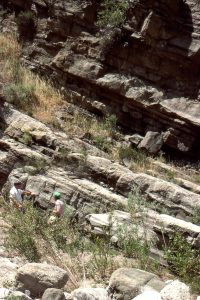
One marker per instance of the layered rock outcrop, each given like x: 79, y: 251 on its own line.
x: 91, y: 183
x: 147, y: 72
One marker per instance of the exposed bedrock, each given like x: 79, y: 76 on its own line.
x: 147, y: 73
x: 95, y: 189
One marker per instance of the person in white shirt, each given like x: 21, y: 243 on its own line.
x: 16, y: 194
x: 59, y: 208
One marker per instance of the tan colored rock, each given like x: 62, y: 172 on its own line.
x: 53, y: 294
x: 127, y: 283
x: 188, y: 185
x: 8, y: 271
x: 152, y: 142
x: 172, y: 197
x: 37, y: 277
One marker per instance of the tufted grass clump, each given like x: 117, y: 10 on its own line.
x: 21, y: 96
x: 24, y: 89
x: 112, y: 12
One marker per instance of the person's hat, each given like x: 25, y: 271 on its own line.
x: 57, y: 195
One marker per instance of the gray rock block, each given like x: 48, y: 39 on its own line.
x: 53, y: 294
x: 37, y: 277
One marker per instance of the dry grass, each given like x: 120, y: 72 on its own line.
x: 9, y: 48
x: 12, y: 72
x: 48, y: 98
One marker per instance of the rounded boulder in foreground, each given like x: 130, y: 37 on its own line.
x: 38, y: 277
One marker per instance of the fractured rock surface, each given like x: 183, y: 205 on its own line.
x: 146, y: 72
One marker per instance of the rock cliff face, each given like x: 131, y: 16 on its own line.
x: 147, y: 72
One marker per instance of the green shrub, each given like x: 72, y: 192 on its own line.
x: 137, y: 156
x: 36, y: 165
x: 102, y: 254
x: 170, y: 174
x: 21, y: 96
x: 112, y: 12
x: 31, y: 226
x: 134, y: 242
x: 26, y: 138
x: 110, y: 122
x: 196, y: 178
x: 103, y: 143
x: 196, y: 215
x: 13, y: 298
x: 134, y: 246
x: 184, y: 260
x: 24, y: 229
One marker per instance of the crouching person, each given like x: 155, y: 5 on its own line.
x: 59, y: 208
x: 16, y: 195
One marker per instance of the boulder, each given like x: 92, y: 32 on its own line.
x: 90, y: 294
x: 127, y: 283
x: 18, y: 295
x: 4, y: 293
x: 68, y: 296
x: 53, y: 294
x: 148, y: 295
x: 176, y: 290
x: 152, y: 142
x: 8, y: 271
x: 37, y: 277
x: 135, y: 139
x: 118, y: 224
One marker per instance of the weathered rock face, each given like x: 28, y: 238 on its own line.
x: 146, y: 73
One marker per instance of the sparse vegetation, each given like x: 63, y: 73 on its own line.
x: 135, y: 155
x: 133, y: 240
x: 135, y: 245
x: 112, y: 13
x: 21, y: 96
x: 103, y: 143
x: 36, y: 165
x: 184, y: 260
x: 26, y: 138
x: 196, y: 178
x: 196, y: 215
x: 110, y: 123
x: 102, y: 256
x: 170, y: 175
x: 29, y: 228
x: 24, y: 89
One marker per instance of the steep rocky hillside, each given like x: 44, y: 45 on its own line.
x: 126, y: 208
x: 146, y: 72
